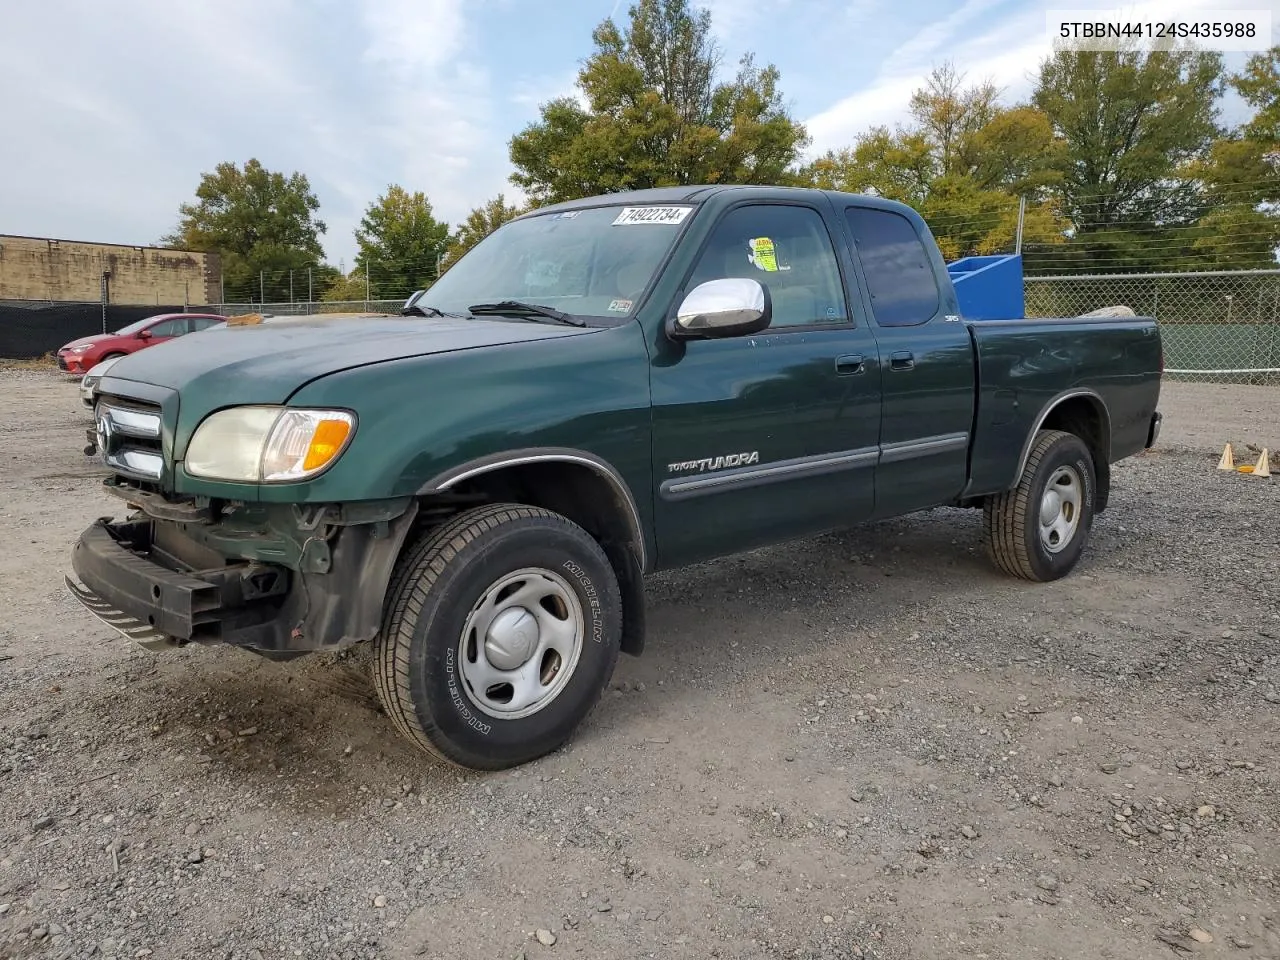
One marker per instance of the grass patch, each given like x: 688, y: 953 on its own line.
x: 48, y: 362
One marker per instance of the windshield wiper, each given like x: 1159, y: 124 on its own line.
x: 420, y: 310
x: 528, y: 310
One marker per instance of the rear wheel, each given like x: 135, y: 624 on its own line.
x: 502, y: 629
x: 1039, y: 529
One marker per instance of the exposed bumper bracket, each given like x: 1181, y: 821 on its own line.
x: 141, y: 633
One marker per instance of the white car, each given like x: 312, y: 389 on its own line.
x: 89, y: 382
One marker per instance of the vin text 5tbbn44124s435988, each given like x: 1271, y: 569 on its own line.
x: 598, y: 390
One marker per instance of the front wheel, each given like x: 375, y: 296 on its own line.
x: 501, y: 631
x: 1039, y: 529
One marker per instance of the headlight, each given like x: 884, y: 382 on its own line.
x: 268, y: 444
x: 81, y: 348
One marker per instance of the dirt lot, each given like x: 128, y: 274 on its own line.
x: 864, y: 745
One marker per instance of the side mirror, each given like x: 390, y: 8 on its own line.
x: 730, y: 307
x: 144, y: 334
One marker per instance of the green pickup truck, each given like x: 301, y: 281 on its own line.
x: 598, y: 390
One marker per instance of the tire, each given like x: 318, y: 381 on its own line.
x: 1020, y: 537
x: 430, y: 657
x: 112, y: 356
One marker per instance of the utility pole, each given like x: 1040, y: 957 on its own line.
x: 291, y: 284
x: 366, y: 285
x: 262, y: 286
x: 1022, y: 212
x: 308, y: 289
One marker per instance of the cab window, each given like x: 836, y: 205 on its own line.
x: 900, y: 278
x: 786, y: 248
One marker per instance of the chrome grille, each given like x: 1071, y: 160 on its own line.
x: 128, y: 438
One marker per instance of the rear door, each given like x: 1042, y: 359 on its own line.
x: 928, y: 400
x: 167, y: 329
x: 762, y: 438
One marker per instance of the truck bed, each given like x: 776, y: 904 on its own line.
x: 1024, y: 366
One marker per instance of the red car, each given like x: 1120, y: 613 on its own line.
x: 79, y: 355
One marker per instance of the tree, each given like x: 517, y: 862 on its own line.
x: 261, y: 222
x: 1241, y: 178
x: 1133, y: 125
x: 962, y: 162
x: 1259, y: 84
x: 480, y: 222
x: 343, y: 289
x: 400, y: 243
x: 656, y: 116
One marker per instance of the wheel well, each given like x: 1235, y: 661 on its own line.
x: 1085, y: 417
x: 583, y: 495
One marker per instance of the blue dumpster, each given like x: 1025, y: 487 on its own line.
x: 989, y: 288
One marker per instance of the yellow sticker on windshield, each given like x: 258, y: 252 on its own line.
x: 762, y: 254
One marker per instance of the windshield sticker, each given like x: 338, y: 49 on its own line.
x: 567, y: 215
x: 620, y: 306
x: 630, y: 216
x: 762, y: 253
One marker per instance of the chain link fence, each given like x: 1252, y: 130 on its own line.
x: 302, y: 308
x: 1217, y: 327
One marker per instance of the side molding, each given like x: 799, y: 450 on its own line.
x: 682, y: 488
x: 1044, y: 415
x: 517, y: 458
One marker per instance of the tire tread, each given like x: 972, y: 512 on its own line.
x: 1004, y: 517
x: 408, y: 595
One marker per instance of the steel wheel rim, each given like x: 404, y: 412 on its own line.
x: 1060, y: 509
x: 521, y: 643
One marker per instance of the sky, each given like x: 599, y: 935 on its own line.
x: 110, y: 112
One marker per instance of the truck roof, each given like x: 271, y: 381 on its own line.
x: 698, y: 193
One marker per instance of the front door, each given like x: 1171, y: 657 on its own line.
x: 927, y: 356
x: 771, y: 436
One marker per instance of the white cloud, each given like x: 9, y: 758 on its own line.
x: 435, y: 116
x: 148, y: 94
x: 1005, y: 56
x: 1008, y: 54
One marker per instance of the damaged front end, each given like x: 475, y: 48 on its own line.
x: 277, y: 579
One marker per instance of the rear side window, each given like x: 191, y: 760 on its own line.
x: 900, y: 280
x: 169, y: 328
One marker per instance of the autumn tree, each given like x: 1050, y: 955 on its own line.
x: 346, y: 288
x: 963, y: 161
x: 479, y: 223
x: 400, y: 243
x: 1240, y: 177
x: 656, y: 114
x: 1134, y: 125
x: 1259, y: 85
x: 262, y: 222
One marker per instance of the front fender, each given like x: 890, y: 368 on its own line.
x: 423, y: 419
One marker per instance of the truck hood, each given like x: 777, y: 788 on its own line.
x: 267, y: 361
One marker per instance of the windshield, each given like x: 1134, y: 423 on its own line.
x: 135, y: 326
x: 591, y: 262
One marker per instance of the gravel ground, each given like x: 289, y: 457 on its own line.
x: 863, y: 745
